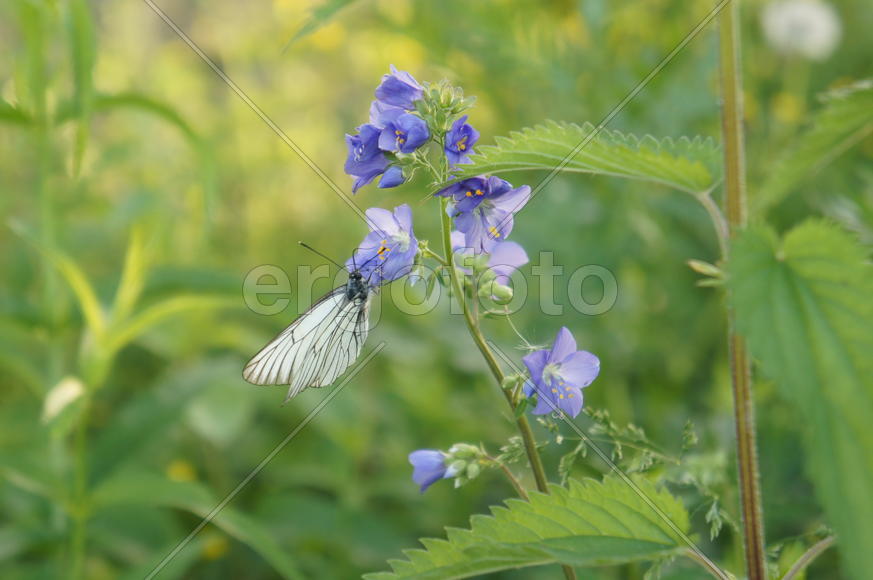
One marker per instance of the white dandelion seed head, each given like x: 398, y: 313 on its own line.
x: 807, y: 28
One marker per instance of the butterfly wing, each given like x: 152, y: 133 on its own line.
x: 316, y: 348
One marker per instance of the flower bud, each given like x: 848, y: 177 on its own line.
x: 501, y: 294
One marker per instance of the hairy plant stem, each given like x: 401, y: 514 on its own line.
x: 530, y: 445
x: 811, y: 554
x: 735, y: 210
x: 521, y: 422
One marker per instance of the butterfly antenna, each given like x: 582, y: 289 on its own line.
x: 314, y: 251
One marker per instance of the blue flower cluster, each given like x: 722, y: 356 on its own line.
x: 396, y: 129
x: 405, y: 117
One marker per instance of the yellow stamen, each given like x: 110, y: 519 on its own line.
x: 480, y: 192
x: 493, y: 231
x: 469, y: 194
x: 554, y: 390
x: 560, y: 396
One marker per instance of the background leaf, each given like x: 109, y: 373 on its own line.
x: 684, y: 164
x: 590, y: 523
x: 319, y: 17
x: 146, y: 488
x: 845, y: 119
x: 804, y: 305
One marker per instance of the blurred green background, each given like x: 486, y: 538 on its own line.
x: 118, y: 145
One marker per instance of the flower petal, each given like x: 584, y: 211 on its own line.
x: 428, y: 467
x: 392, y: 178
x: 535, y: 363
x: 506, y: 258
x: 564, y: 345
x: 580, y: 368
x: 403, y: 215
x: 513, y: 200
x: 382, y: 220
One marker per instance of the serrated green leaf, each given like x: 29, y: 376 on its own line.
x: 804, y: 305
x: 691, y: 165
x: 845, y: 119
x: 587, y: 524
x: 141, y: 487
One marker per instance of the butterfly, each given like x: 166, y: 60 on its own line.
x: 320, y: 344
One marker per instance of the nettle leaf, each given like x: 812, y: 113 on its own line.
x: 587, y: 524
x: 804, y: 305
x: 845, y: 119
x: 691, y: 165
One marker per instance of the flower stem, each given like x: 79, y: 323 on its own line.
x: 521, y: 422
x: 735, y: 209
x: 811, y: 554
x: 522, y: 493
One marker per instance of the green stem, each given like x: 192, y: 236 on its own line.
x: 81, y: 502
x: 522, y: 493
x: 722, y: 232
x: 806, y: 559
x: 735, y: 209
x: 521, y: 422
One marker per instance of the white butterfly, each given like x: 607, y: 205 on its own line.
x: 320, y: 345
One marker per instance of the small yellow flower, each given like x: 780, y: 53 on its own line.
x: 181, y: 470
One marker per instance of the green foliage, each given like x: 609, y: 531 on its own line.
x: 804, y: 305
x: 139, y: 487
x: 689, y: 165
x: 845, y: 119
x: 319, y: 16
x: 587, y: 524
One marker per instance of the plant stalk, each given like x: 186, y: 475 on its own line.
x: 806, y: 559
x: 81, y: 502
x: 735, y: 210
x: 521, y: 422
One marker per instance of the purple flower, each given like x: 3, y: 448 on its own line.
x: 388, y: 251
x: 504, y: 258
x: 483, y: 209
x: 381, y: 114
x: 560, y: 374
x: 365, y: 160
x: 392, y: 178
x: 459, y: 141
x: 429, y: 466
x: 406, y: 133
x: 399, y: 89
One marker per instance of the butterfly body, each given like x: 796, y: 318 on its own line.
x: 320, y: 344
